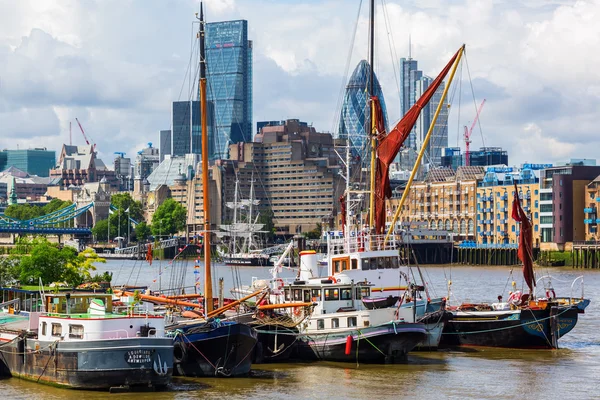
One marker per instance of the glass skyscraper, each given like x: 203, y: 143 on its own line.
x: 355, y: 117
x: 186, y: 129
x: 33, y: 161
x: 229, y: 78
x: 412, y: 85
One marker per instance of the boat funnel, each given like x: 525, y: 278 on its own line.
x: 308, y: 265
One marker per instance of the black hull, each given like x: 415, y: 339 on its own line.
x: 247, y: 261
x: 221, y: 351
x: 275, y: 344
x: 90, y: 366
x: 386, y: 344
x: 529, y: 329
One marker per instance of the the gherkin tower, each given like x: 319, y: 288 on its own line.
x: 355, y: 117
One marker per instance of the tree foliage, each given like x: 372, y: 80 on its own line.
x: 266, y: 218
x: 25, y: 212
x: 315, y: 233
x: 170, y: 217
x: 50, y: 263
x: 142, y: 231
x: 118, y: 218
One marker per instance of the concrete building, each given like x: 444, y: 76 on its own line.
x: 592, y: 218
x: 562, y: 202
x: 445, y: 200
x: 146, y: 161
x: 36, y: 161
x: 164, y: 138
x: 26, y: 187
x: 495, y: 196
x: 78, y: 165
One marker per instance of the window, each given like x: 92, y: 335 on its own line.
x: 354, y: 263
x: 332, y: 294
x: 395, y: 263
x: 316, y: 295
x: 307, y: 296
x: 56, y: 330
x: 337, y: 266
x: 76, y: 331
x: 366, y: 264
x: 298, y: 294
x: 320, y: 324
x: 44, y: 329
x: 351, y: 321
x: 287, y: 294
x: 346, y: 294
x: 335, y: 323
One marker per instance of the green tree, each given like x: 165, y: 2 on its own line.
x: 100, y: 230
x: 170, y: 217
x: 142, y: 231
x: 315, y: 233
x: 46, y: 261
x: 124, y: 202
x: 78, y: 269
x: 9, y: 270
x: 27, y: 211
x: 266, y: 218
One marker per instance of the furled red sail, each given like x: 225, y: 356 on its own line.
x: 149, y: 254
x: 525, y: 240
x: 343, y: 210
x: 390, y: 145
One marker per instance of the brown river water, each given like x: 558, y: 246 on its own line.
x: 476, y: 373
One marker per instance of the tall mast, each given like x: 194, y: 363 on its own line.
x: 250, y: 223
x: 373, y: 130
x: 208, y: 298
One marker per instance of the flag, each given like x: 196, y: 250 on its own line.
x: 127, y: 210
x: 110, y: 211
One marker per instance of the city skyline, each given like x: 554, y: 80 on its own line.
x: 120, y: 82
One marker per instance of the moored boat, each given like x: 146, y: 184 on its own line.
x: 80, y: 343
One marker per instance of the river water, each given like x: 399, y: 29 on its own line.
x: 481, y: 373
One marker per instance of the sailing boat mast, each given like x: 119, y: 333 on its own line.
x: 373, y: 132
x: 208, y: 298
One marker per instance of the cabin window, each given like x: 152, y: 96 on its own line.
x: 354, y: 263
x: 351, y: 321
x: 316, y: 295
x: 358, y: 293
x: 335, y: 323
x: 56, y: 330
x: 307, y: 296
x: 76, y: 331
x: 346, y: 294
x: 365, y: 292
x: 44, y: 329
x: 332, y: 294
x: 366, y: 264
x: 366, y: 323
x: 380, y: 263
x: 388, y: 262
x: 337, y: 266
x: 395, y: 263
x: 287, y: 294
x: 320, y: 324
x: 298, y: 294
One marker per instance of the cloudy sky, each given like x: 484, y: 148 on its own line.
x: 117, y: 64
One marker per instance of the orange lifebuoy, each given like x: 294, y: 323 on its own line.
x: 333, y: 280
x: 297, y: 311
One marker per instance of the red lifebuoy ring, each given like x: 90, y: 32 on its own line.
x: 280, y: 283
x: 297, y: 311
x: 548, y: 294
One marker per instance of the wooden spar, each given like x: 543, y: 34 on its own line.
x: 233, y: 304
x: 424, y: 146
x: 285, y: 305
x: 186, y: 296
x: 164, y: 300
x: 373, y: 132
x: 208, y: 300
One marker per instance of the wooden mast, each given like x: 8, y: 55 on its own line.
x: 208, y: 298
x: 424, y: 145
x: 373, y: 133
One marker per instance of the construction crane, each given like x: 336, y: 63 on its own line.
x: 84, y: 136
x: 468, y: 133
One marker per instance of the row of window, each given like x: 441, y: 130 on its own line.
x: 335, y: 323
x: 75, y: 331
x: 328, y: 294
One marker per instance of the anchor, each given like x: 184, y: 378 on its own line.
x: 161, y: 370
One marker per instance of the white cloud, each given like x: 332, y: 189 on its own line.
x: 117, y: 65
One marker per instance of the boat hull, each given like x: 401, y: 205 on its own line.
x: 91, y: 365
x: 275, y: 343
x: 205, y: 349
x: 381, y: 344
x: 524, y: 328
